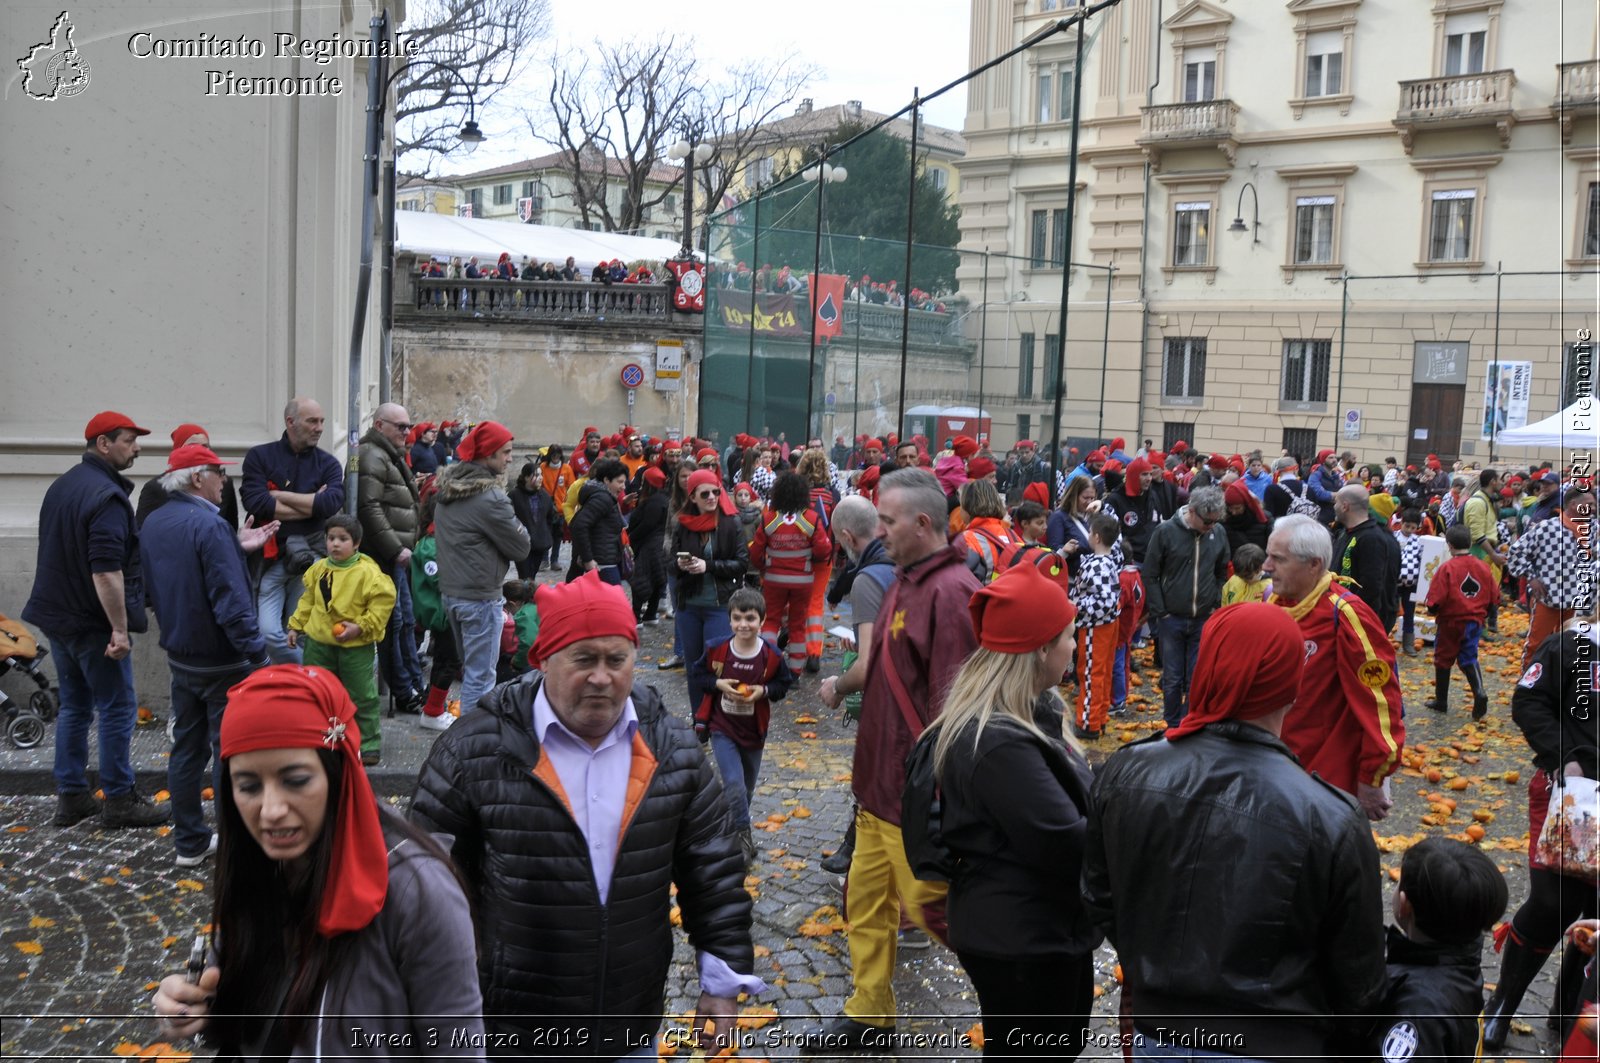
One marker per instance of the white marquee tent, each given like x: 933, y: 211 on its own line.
x: 1576, y: 426
x: 445, y: 237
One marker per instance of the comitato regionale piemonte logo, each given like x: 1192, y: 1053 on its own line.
x: 55, y: 69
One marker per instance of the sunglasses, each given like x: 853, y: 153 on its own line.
x: 404, y: 427
x: 708, y: 494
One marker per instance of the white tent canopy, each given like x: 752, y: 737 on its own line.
x: 446, y: 237
x: 1576, y: 426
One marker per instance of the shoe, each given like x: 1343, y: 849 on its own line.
x: 1084, y: 735
x: 839, y: 862
x: 813, y: 665
x: 1120, y: 708
x: 440, y: 722
x: 670, y: 664
x: 845, y: 1034
x: 915, y: 938
x: 1489, y: 634
x: 75, y: 807
x: 410, y: 704
x: 1409, y: 648
x: 198, y: 858
x: 667, y: 613
x: 747, y: 845
x: 1437, y: 705
x: 1480, y: 706
x: 1518, y: 967
x: 371, y: 758
x: 133, y: 809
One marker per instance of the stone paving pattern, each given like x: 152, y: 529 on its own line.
x: 94, y: 917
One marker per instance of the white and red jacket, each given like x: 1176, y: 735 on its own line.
x: 785, y: 546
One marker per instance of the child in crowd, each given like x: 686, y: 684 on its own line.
x: 1032, y: 523
x: 749, y: 507
x: 1246, y: 584
x: 1131, y: 601
x: 521, y: 628
x: 1097, y: 592
x: 1410, y: 539
x: 1450, y: 895
x: 1459, y: 595
x: 342, y: 614
x: 742, y: 676
x: 428, y: 607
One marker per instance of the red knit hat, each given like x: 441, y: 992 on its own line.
x: 978, y: 468
x: 184, y: 432
x: 1030, y: 444
x: 1021, y: 611
x: 1322, y: 456
x: 1216, y: 461
x: 287, y: 706
x: 1270, y: 640
x: 872, y: 444
x: 1156, y: 459
x: 486, y: 438
x: 586, y: 608
x: 1111, y: 465
x: 1119, y: 444
x: 1179, y: 447
x: 1037, y: 492
x: 655, y: 477
x: 964, y: 446
x: 705, y: 454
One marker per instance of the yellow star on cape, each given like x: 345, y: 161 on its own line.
x: 898, y: 624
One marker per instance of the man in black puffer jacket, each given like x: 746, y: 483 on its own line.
x: 597, y: 524
x: 573, y: 904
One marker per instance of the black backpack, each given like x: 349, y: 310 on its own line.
x: 922, y: 816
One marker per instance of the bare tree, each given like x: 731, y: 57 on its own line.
x: 734, y: 110
x: 487, y: 42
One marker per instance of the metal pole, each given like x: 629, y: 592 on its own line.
x: 1494, y: 365
x: 855, y: 421
x: 905, y: 302
x: 750, y: 364
x: 1105, y: 349
x: 369, y: 188
x: 983, y: 334
x: 386, y: 285
x: 811, y: 294
x: 1344, y: 314
x: 1066, y: 256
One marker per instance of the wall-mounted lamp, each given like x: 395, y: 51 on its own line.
x: 1238, y: 225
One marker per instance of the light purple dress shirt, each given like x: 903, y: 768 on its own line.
x: 596, y: 781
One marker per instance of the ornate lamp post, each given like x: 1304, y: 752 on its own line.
x: 691, y: 151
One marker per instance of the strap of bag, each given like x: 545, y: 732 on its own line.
x: 897, y: 687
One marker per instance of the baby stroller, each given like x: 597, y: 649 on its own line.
x: 25, y: 724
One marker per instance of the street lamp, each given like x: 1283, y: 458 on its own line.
x: 1238, y: 225
x: 691, y: 151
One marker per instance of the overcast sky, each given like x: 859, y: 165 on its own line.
x: 875, y: 51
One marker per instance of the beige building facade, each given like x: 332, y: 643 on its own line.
x: 1398, y: 172
x: 540, y: 191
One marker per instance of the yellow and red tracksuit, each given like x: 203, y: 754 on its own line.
x: 785, y: 549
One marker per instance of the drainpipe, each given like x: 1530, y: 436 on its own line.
x: 1144, y: 230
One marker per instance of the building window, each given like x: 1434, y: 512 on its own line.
x: 1324, y: 64
x: 1053, y: 91
x: 1183, y: 373
x: 761, y: 171
x: 1313, y: 229
x: 527, y: 190
x: 1046, y: 97
x: 502, y: 195
x: 1199, y: 75
x: 1024, y: 426
x: 1305, y: 371
x: 1191, y: 243
x: 1173, y: 431
x: 408, y: 204
x: 1052, y: 352
x: 1450, y: 231
x: 940, y: 177
x: 1464, y: 52
x: 1301, y: 443
x: 1025, y: 366
x: 1058, y: 238
x: 1591, y: 225
x: 1037, y: 251
x: 670, y: 203
x: 475, y: 202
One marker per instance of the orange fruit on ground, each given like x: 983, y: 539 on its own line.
x: 1433, y: 775
x: 1458, y: 783
x: 1483, y: 815
x: 1512, y: 776
x: 1476, y: 832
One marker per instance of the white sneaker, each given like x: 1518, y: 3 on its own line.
x: 199, y: 858
x: 440, y: 722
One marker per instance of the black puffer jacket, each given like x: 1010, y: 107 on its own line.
x: 596, y: 527
x: 1554, y: 703
x: 728, y: 563
x: 1237, y: 890
x: 550, y: 951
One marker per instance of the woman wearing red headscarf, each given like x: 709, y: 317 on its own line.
x: 711, y: 558
x: 1246, y: 521
x: 331, y: 911
x: 1014, y: 796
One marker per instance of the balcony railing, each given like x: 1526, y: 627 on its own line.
x: 576, y: 301
x: 1457, y: 101
x: 1577, y: 93
x: 1203, y: 123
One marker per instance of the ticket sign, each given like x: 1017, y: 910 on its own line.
x: 669, y: 364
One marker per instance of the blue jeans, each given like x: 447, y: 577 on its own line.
x: 698, y: 626
x: 1180, y: 643
x: 739, y: 768
x: 93, y: 684
x: 397, y: 653
x: 476, y: 626
x: 275, y: 603
x: 1119, y: 675
x: 197, y: 704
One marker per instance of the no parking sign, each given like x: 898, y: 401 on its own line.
x: 632, y: 375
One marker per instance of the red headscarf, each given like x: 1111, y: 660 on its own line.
x: 979, y: 467
x: 867, y: 482
x: 1037, y: 492
x: 182, y: 434
x: 1237, y: 494
x: 1136, y: 468
x: 288, y: 706
x: 1020, y: 611
x: 1268, y: 639
x: 964, y: 446
x: 690, y: 516
x: 485, y: 438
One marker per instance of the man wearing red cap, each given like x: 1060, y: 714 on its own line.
x: 201, y: 594
x: 1029, y: 470
x: 88, y: 594
x: 479, y: 536
x: 576, y: 802
x: 151, y: 496
x: 1323, y: 483
x: 588, y: 452
x: 291, y: 481
x: 1168, y: 850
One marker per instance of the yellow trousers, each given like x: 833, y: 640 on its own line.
x: 880, y: 883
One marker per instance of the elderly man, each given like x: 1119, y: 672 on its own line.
x: 88, y: 594
x: 1185, y: 566
x: 576, y: 802
x: 1243, y: 896
x: 388, y: 507
x: 1366, y: 553
x: 1557, y: 557
x: 922, y: 635
x: 291, y: 482
x: 201, y: 595
x: 479, y: 537
x: 151, y: 496
x: 1347, y: 726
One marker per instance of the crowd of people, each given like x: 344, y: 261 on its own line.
x: 526, y: 901
x: 608, y: 272
x: 785, y: 280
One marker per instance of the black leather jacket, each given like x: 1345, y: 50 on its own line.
x: 1242, y: 895
x: 1435, y: 997
x: 729, y: 561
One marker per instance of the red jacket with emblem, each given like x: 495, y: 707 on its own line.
x: 1462, y: 589
x: 1347, y: 725
x: 786, y: 545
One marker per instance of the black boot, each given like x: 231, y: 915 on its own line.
x: 839, y: 862
x: 1480, y: 700
x: 1519, y: 964
x: 1440, y: 702
x: 1569, y: 986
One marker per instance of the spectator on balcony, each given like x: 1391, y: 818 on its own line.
x: 530, y: 268
x: 570, y: 272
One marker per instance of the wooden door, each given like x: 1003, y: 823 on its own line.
x: 1435, y: 423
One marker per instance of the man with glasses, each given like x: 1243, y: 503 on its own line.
x: 201, y: 595
x: 388, y: 506
x: 1185, y: 565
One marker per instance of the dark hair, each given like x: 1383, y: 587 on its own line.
x: 1456, y: 892
x: 1105, y: 527
x: 607, y: 469
x: 748, y: 600
x: 1027, y: 510
x: 1487, y: 477
x: 1411, y: 515
x: 517, y: 590
x: 1457, y: 537
x: 345, y: 521
x: 1248, y: 559
x: 554, y: 451
x: 790, y: 493
x: 526, y: 474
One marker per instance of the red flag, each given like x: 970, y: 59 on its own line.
x: 827, y: 292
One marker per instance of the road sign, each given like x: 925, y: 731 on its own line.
x: 1352, y: 424
x: 830, y: 399
x: 632, y: 375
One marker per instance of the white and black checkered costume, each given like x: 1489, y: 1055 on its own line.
x: 1097, y: 589
x: 762, y: 479
x: 1549, y: 553
x: 1410, y: 558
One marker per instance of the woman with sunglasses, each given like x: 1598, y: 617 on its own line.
x: 709, y: 553
x: 334, y: 918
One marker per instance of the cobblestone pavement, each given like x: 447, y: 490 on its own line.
x: 94, y: 917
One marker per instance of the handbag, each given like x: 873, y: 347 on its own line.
x: 1569, y: 841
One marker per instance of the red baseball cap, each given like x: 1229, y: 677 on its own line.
x: 193, y: 456
x: 106, y: 422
